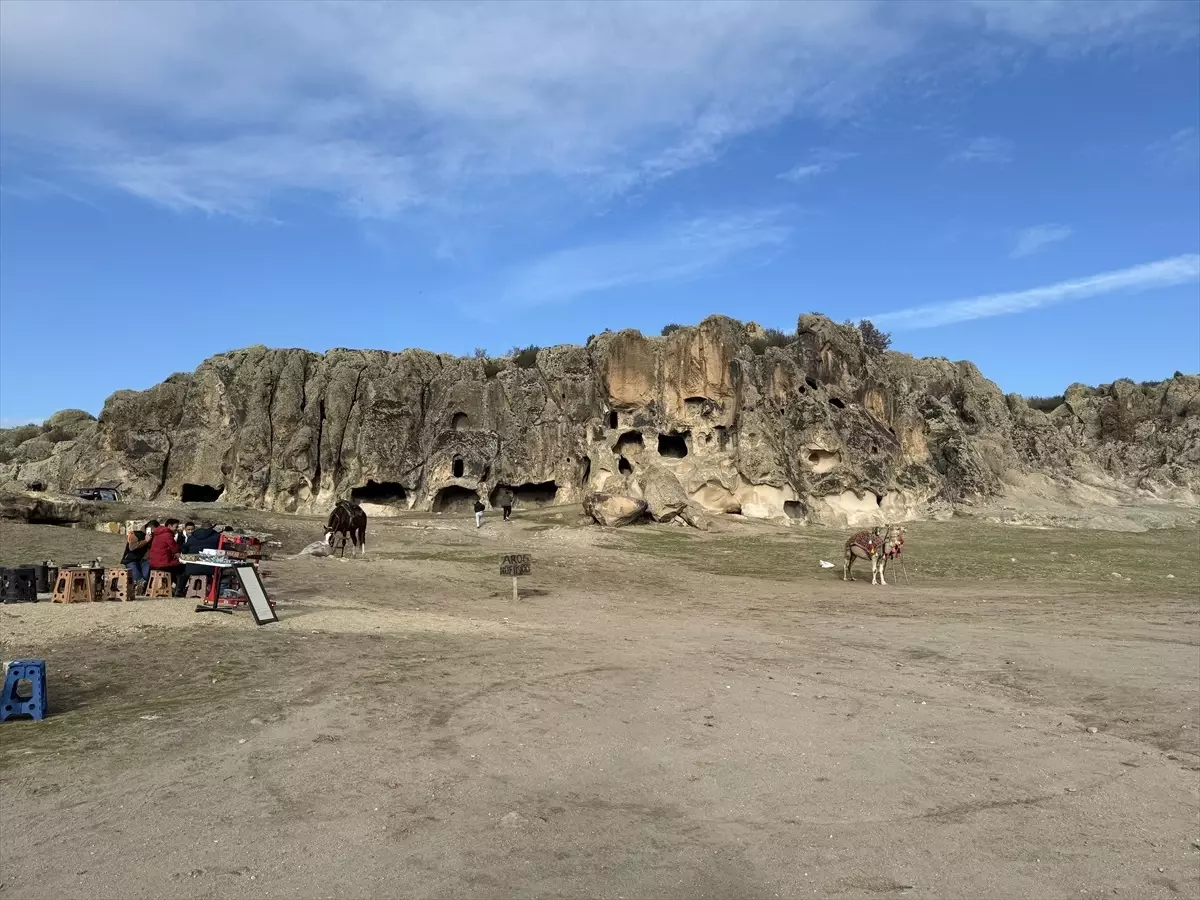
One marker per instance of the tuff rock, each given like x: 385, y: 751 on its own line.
x: 711, y: 417
x: 613, y: 510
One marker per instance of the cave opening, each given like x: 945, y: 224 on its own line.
x: 585, y: 470
x: 460, y: 422
x: 793, y: 509
x: 629, y: 440
x: 811, y: 382
x: 455, y: 499
x: 837, y: 403
x: 379, y: 492
x: 623, y: 466
x: 200, y: 493
x: 529, y: 494
x: 673, y: 446
x: 822, y: 460
x: 456, y: 467
x: 879, y: 499
x: 698, y: 406
x: 613, y: 421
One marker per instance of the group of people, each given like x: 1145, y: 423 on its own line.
x: 504, y: 500
x: 158, y: 548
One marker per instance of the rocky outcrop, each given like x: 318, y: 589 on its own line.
x: 614, y: 511
x: 819, y: 430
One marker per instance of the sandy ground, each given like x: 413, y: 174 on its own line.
x: 662, y: 714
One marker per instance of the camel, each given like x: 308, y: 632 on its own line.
x: 878, y: 548
x: 349, y: 520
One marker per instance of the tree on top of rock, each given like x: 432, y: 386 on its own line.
x: 874, y: 339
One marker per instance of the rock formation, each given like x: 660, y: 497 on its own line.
x: 712, y: 418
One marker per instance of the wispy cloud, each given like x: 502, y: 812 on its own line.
x: 1038, y: 237
x: 819, y: 162
x: 678, y: 252
x: 805, y: 171
x: 378, y: 109
x: 1170, y: 272
x: 1179, y: 151
x: 985, y: 150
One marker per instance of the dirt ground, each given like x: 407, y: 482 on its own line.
x: 663, y: 713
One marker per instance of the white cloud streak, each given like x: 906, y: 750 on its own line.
x: 678, y: 252
x: 381, y: 108
x: 994, y: 150
x: 1038, y: 237
x: 1164, y: 273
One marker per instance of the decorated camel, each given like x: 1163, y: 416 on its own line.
x: 880, y: 549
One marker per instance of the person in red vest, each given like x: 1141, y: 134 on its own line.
x: 164, y: 551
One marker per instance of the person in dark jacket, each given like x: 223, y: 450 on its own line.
x: 479, y: 508
x: 505, y: 500
x: 137, y: 544
x: 206, y: 537
x: 164, y: 550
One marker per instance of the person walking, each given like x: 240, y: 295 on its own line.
x: 505, y: 499
x: 479, y: 508
x: 137, y: 543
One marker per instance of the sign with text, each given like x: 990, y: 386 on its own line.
x: 516, y: 564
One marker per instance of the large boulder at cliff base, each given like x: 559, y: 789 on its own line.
x: 614, y: 511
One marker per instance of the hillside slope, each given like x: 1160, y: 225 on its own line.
x: 819, y: 429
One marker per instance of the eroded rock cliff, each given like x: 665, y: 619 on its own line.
x: 821, y: 429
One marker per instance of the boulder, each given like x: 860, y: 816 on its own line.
x: 663, y: 493
x: 40, y: 510
x: 614, y: 511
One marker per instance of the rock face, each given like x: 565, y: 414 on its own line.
x: 820, y: 430
x: 614, y: 511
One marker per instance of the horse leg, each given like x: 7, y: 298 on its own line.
x: 362, y: 541
x: 847, y: 566
x: 342, y: 545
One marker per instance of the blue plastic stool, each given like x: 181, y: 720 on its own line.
x: 11, y: 706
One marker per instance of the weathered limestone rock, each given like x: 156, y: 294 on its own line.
x: 614, y: 511
x: 710, y: 418
x: 663, y: 494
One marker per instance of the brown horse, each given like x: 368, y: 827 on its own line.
x: 348, y: 520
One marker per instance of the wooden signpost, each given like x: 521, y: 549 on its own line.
x: 516, y: 564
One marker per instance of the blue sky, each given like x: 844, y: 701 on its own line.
x: 1015, y: 183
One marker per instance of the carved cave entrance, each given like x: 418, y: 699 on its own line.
x: 673, y: 446
x: 460, y: 422
x: 379, y: 492
x: 623, y: 466
x: 628, y: 441
x: 454, y: 499
x: 200, y: 493
x: 456, y: 467
x: 526, y: 494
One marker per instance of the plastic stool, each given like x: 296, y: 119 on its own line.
x: 197, y: 587
x: 161, y: 584
x: 18, y: 585
x: 117, y: 585
x: 36, y: 704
